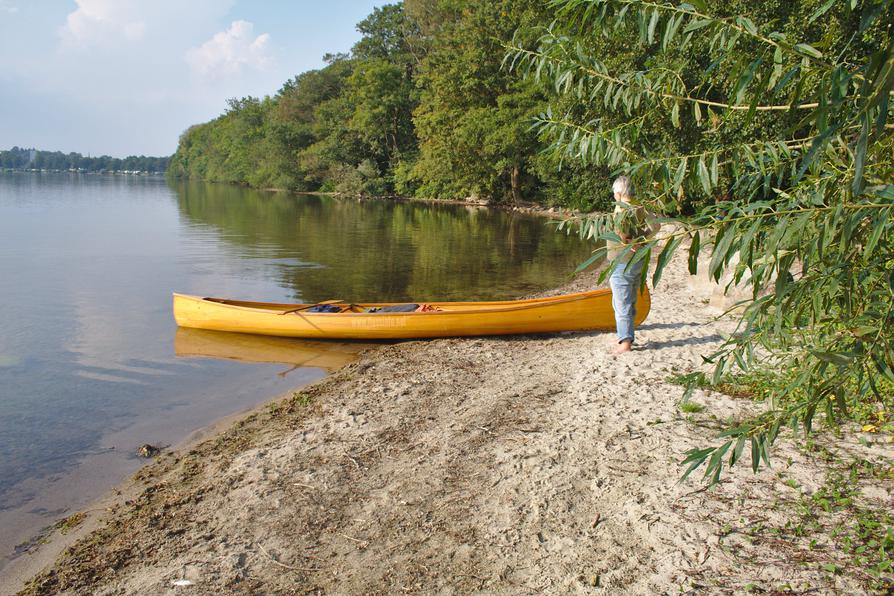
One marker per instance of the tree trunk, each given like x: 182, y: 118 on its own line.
x: 515, y: 180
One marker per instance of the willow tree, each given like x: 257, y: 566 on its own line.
x: 773, y: 127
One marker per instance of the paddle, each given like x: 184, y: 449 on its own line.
x: 306, y: 306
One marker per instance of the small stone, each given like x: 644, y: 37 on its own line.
x: 147, y: 450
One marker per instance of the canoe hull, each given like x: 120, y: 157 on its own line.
x: 585, y: 311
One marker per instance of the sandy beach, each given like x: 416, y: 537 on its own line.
x: 518, y: 464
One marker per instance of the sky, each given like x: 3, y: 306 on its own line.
x: 127, y: 77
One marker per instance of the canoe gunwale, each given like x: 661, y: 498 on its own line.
x: 489, y: 307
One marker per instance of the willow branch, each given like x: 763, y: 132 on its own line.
x: 600, y: 134
x: 730, y: 24
x: 661, y: 94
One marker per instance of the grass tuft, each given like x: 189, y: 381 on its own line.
x: 691, y: 407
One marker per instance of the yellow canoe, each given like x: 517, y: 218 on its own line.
x: 584, y: 311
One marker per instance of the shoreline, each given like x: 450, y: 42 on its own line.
x: 52, y: 540
x: 533, y: 463
x: 528, y: 207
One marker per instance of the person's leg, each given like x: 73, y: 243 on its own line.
x: 625, y: 285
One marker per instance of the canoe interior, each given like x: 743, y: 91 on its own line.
x: 359, y: 308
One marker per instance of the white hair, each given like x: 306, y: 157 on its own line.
x: 623, y: 186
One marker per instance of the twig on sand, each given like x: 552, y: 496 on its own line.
x: 620, y: 469
x: 305, y: 485
x: 353, y: 461
x: 413, y: 544
x: 362, y: 543
x: 283, y: 565
x: 695, y: 492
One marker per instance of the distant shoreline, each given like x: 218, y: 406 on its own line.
x: 81, y: 171
x: 31, y: 159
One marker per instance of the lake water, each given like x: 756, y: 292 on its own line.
x: 89, y: 364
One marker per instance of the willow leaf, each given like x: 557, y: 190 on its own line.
x: 598, y: 255
x: 821, y: 11
x: 808, y: 50
x: 860, y: 156
x: 653, y: 22
x: 694, y: 249
x: 703, y: 176
x: 664, y: 257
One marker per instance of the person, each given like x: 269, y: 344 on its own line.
x: 633, y: 225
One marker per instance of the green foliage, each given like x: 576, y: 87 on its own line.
x: 571, y: 184
x: 784, y: 148
x: 232, y: 148
x: 473, y: 121
x: 363, y: 180
x: 844, y: 533
x: 342, y: 127
x: 406, y: 184
x: 690, y: 407
x: 424, y: 96
x: 383, y: 105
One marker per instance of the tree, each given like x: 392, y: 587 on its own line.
x: 785, y: 151
x: 473, y: 118
x: 389, y: 35
x: 382, y: 88
x: 231, y: 148
x: 294, y: 118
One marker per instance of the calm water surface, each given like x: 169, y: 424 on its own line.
x: 88, y: 351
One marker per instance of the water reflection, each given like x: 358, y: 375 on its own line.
x: 329, y: 356
x: 324, y: 248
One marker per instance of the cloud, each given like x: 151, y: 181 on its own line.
x: 228, y: 52
x: 8, y: 7
x: 96, y: 22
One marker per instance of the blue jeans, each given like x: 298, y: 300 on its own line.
x: 625, y: 288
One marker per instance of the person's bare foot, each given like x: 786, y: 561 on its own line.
x: 622, y: 348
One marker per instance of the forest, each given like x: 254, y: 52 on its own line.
x: 423, y: 106
x: 426, y: 104
x: 19, y: 158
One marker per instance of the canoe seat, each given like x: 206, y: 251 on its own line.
x: 394, y: 308
x: 324, y: 308
x: 308, y: 306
